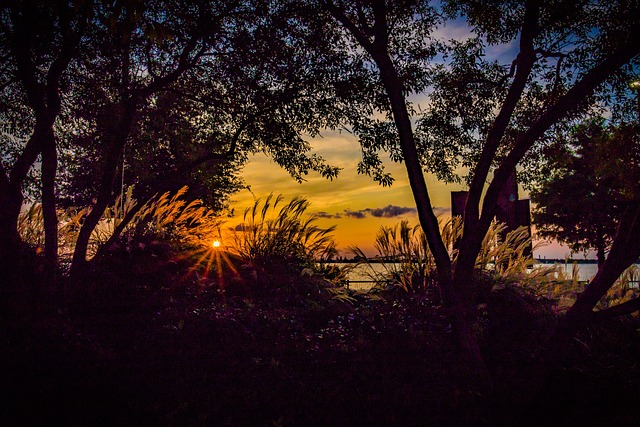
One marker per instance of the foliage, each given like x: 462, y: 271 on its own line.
x: 581, y: 193
x: 472, y: 88
x: 196, y: 122
x: 276, y: 233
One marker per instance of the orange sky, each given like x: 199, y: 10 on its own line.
x: 350, y: 192
x: 358, y: 193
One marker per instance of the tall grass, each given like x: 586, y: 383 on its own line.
x: 409, y: 264
x: 31, y: 229
x: 508, y: 258
x: 275, y: 233
x: 626, y: 288
x: 406, y: 248
x: 165, y: 216
x: 564, y: 288
x: 413, y: 263
x: 169, y: 216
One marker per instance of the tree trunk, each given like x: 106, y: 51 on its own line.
x: 11, y: 197
x: 10, y: 204
x: 427, y: 217
x: 10, y: 247
x: 49, y: 211
x: 600, y: 255
x: 12, y: 267
x: 472, y: 367
x: 625, y: 250
x: 104, y: 197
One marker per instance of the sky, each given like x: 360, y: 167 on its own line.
x: 354, y: 203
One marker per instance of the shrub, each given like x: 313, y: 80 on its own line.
x: 275, y: 234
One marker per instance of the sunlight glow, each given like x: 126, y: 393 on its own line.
x: 216, y: 243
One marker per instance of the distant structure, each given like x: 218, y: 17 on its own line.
x: 511, y: 210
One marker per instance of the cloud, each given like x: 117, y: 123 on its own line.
x: 355, y: 214
x: 242, y: 227
x: 328, y: 215
x: 441, y: 211
x: 391, y: 211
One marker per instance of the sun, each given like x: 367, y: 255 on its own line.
x: 211, y: 259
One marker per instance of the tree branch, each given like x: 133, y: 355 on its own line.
x: 341, y: 17
x: 627, y: 307
x: 20, y: 40
x: 380, y: 26
x: 565, y: 104
x: 524, y: 65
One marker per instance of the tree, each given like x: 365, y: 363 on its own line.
x: 486, y: 115
x: 137, y: 50
x: 213, y: 93
x: 578, y: 200
x: 173, y: 92
x: 572, y: 58
x: 36, y: 60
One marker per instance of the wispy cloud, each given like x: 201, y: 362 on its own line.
x: 391, y: 211
x: 328, y: 215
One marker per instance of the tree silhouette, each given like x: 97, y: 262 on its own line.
x: 580, y: 196
x: 487, y: 116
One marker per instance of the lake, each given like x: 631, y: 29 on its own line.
x: 360, y: 276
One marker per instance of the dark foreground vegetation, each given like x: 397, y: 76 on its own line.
x: 107, y: 319
x: 154, y: 343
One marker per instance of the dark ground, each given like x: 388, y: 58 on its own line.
x: 181, y: 356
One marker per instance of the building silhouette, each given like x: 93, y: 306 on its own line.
x: 512, y: 211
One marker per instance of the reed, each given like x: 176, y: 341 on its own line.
x: 276, y: 233
x: 169, y: 216
x: 411, y: 264
x: 166, y: 216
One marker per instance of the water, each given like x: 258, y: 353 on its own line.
x: 585, y: 271
x: 360, y: 275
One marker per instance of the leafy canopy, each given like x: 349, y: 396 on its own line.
x: 588, y: 180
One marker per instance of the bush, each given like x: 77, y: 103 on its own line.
x: 278, y: 238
